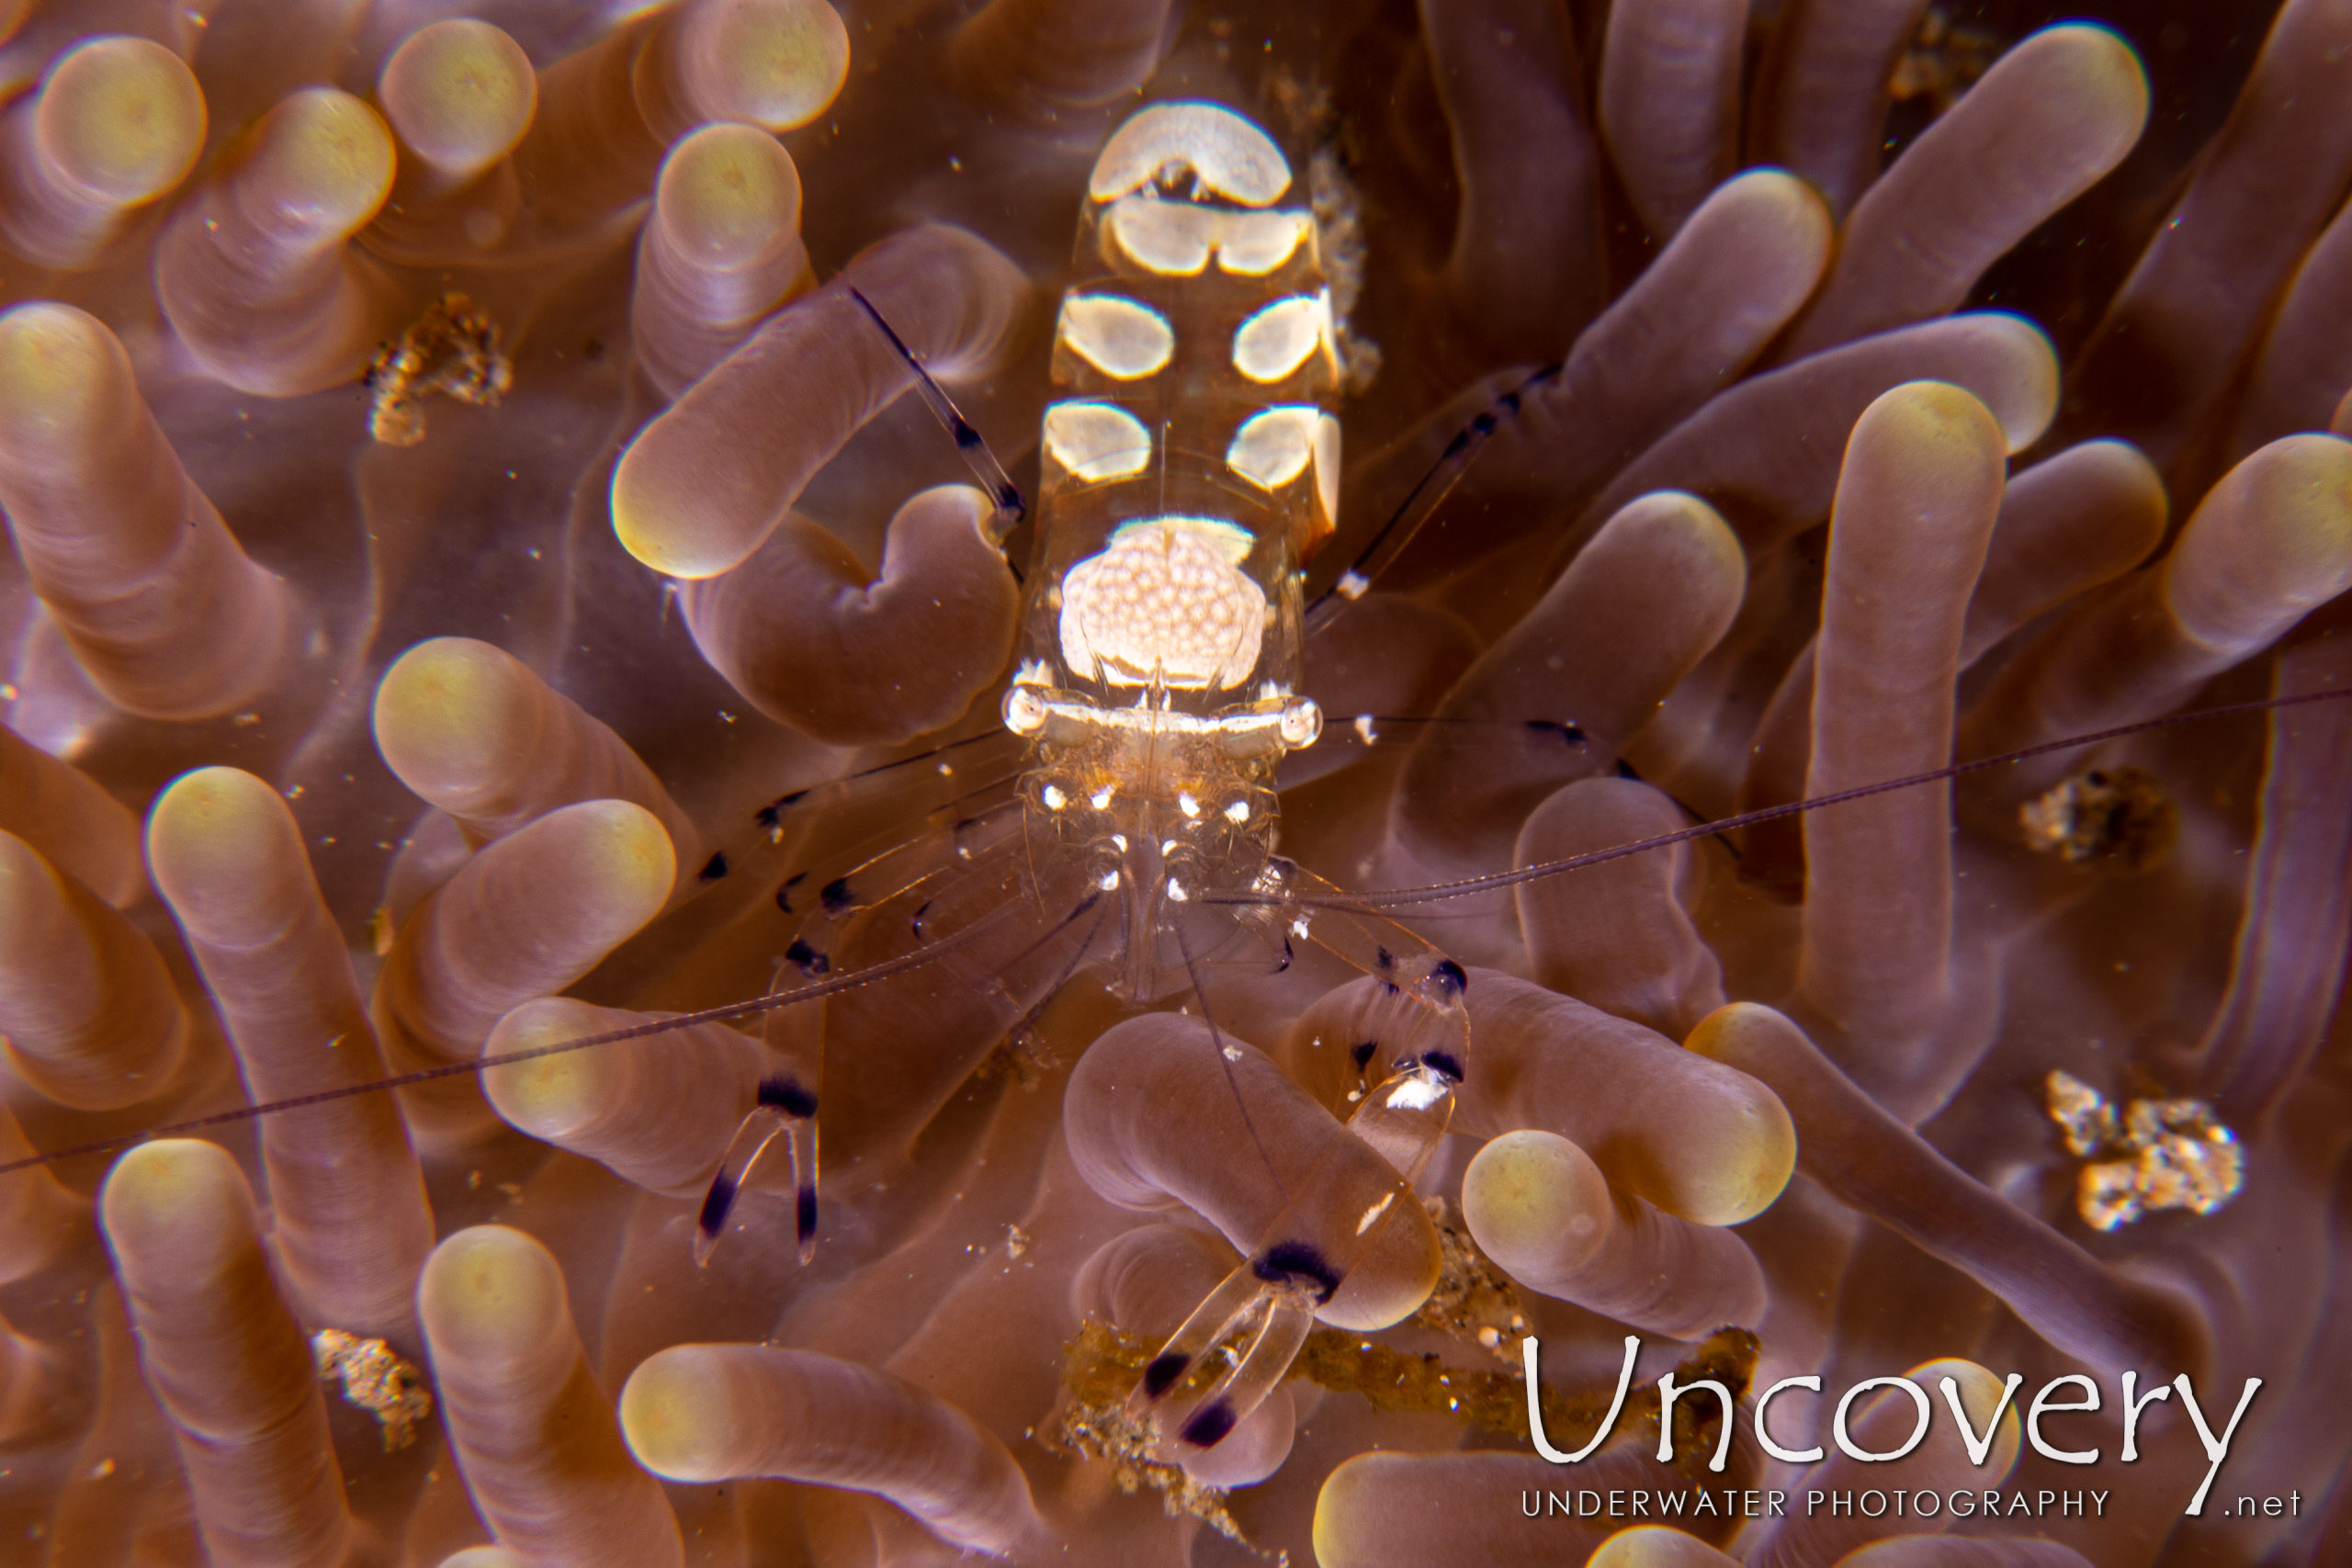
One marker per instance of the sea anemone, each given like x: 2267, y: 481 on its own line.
x: 474, y: 561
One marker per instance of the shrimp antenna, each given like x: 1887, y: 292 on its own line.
x: 1370, y: 730
x: 1437, y: 892
x: 1420, y: 502
x: 1009, y: 506
x: 1216, y: 1042
x: 930, y: 952
x: 1626, y: 770
x: 850, y: 980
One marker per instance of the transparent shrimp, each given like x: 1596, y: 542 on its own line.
x: 1189, y: 465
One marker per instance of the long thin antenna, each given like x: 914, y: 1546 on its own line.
x: 1216, y: 1042
x: 1009, y: 506
x: 1376, y: 899
x: 1436, y: 892
x: 885, y: 970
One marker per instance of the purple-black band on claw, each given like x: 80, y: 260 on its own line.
x: 808, y: 959
x: 786, y: 1095
x: 1449, y: 978
x: 1162, y: 1375
x: 1209, y: 1424
x: 803, y: 1213
x: 1297, y: 1263
x: 1444, y: 1063
x: 714, y: 1205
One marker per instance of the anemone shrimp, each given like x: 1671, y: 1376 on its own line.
x: 914, y: 1141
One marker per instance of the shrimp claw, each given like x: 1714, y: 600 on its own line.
x: 1265, y: 1307
x: 786, y: 1108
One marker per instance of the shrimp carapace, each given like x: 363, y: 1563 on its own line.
x: 1191, y: 464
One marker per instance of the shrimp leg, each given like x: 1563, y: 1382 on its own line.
x: 973, y: 874
x: 1267, y: 1305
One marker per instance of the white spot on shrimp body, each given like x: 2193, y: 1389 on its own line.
x: 1272, y: 344
x: 1175, y: 239
x: 1123, y: 340
x: 1327, y: 468
x: 1416, y: 1093
x: 1273, y: 447
x: 1254, y: 244
x: 1168, y: 599
x: 1097, y: 441
x: 1227, y: 155
x: 1372, y: 1215
x: 1171, y: 238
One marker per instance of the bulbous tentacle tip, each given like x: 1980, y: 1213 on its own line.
x: 460, y: 95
